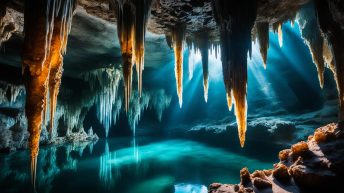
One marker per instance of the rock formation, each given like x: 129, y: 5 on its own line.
x: 228, y: 25
x: 47, y: 25
x: 132, y: 16
x: 331, y: 24
x: 308, y: 166
x: 178, y: 37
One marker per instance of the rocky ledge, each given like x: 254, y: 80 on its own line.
x: 313, y: 166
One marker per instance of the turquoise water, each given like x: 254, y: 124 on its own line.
x: 126, y: 165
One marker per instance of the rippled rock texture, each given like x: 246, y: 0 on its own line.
x: 313, y: 165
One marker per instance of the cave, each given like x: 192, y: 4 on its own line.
x: 171, y: 96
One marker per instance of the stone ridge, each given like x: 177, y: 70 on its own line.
x: 315, y: 165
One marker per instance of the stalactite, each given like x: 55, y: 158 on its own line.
x: 107, y: 98
x: 142, y: 8
x: 235, y: 31
x: 14, y: 91
x: 137, y: 106
x: 159, y: 102
x: 47, y: 24
x: 193, y: 59
x: 132, y: 16
x: 331, y: 63
x: 263, y: 39
x: 280, y: 36
x: 311, y: 34
x: 178, y: 35
x: 125, y: 28
x: 105, y: 82
x: 203, y: 46
x: 190, y: 64
x: 328, y: 56
x: 116, y: 109
x: 229, y: 100
x: 334, y: 40
x: 54, y: 59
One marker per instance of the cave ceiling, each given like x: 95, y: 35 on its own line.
x: 97, y: 19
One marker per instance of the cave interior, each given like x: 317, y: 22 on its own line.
x: 184, y: 96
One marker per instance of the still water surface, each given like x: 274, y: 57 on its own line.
x: 126, y: 165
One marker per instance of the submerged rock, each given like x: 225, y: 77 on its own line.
x: 315, y: 165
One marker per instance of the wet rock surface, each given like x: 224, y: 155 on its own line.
x: 198, y: 15
x: 311, y: 166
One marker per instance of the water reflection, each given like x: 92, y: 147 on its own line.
x: 126, y: 166
x: 190, y: 188
x: 105, y: 169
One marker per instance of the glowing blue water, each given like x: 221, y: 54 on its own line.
x: 174, y: 165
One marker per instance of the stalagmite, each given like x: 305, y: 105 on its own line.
x: 280, y: 36
x: 235, y: 29
x: 311, y: 34
x: 263, y: 39
x: 334, y: 40
x: 132, y: 17
x: 47, y: 24
x: 178, y: 34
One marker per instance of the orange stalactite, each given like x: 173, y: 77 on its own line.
x: 131, y: 27
x: 240, y: 104
x: 142, y: 8
x: 235, y: 44
x: 178, y: 41
x: 126, y: 31
x: 36, y: 87
x: 36, y: 72
x: 45, y: 41
x: 57, y: 46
